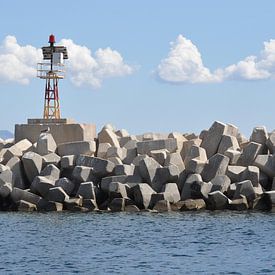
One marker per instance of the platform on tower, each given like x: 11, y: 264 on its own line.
x: 63, y: 130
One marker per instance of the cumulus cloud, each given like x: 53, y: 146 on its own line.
x: 86, y: 69
x: 184, y: 65
x: 18, y: 63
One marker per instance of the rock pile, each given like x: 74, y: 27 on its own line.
x: 219, y: 169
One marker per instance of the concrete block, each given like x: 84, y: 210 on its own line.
x: 50, y: 172
x: 108, y: 136
x: 233, y: 156
x: 57, y: 194
x: 249, y: 154
x: 266, y: 164
x: 102, y: 150
x: 195, y: 166
x: 91, y: 205
x: 68, y: 161
x: 220, y: 183
x: 61, y: 132
x: 116, y: 152
x: 147, y: 169
x: 51, y: 158
x: 175, y: 159
x: 171, y: 192
x: 115, y: 160
x: 196, y: 152
x: 228, y: 142
x: 45, y: 205
x: 41, y: 185
x: 77, y: 148
x: 217, y: 201
x: 119, y: 204
x: 154, y: 136
x: 145, y: 147
x: 246, y: 189
x: 24, y: 206
x: 105, y: 182
x: 118, y: 190
x: 45, y: 144
x: 187, y: 145
x: 11, y: 152
x: 235, y: 172
x: 132, y: 140
x: 86, y: 190
x: 5, y: 189
x: 270, y: 200
x: 67, y: 185
x: 100, y: 167
x: 16, y: 167
x: 82, y: 174
x: 142, y: 195
x: 251, y: 173
x: 73, y: 204
x: 124, y: 169
x: 217, y: 165
x: 131, y: 144
x: 179, y: 138
x: 122, y: 133
x: 271, y: 143
x: 159, y: 155
x: 213, y: 138
x: 259, y: 135
x: 164, y: 175
x: 32, y: 164
x: 138, y: 158
x: 240, y: 204
x: 18, y: 194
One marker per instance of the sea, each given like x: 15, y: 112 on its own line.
x: 137, y: 243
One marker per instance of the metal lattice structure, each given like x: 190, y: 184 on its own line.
x: 52, y: 70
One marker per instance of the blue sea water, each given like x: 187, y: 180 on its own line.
x: 144, y: 243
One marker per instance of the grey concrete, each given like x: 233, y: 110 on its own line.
x: 67, y: 185
x: 145, y: 147
x: 249, y: 154
x: 57, y: 194
x: 147, y: 169
x: 41, y: 185
x: 100, y: 167
x: 51, y: 172
x: 228, y: 142
x: 18, y: 194
x: 45, y: 144
x: 217, y: 201
x: 142, y: 195
x: 220, y: 183
x: 108, y: 136
x: 77, y: 148
x: 86, y: 190
x: 32, y: 163
x: 246, y: 189
x: 61, y: 132
x: 217, y: 165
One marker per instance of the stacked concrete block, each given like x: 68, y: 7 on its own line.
x: 219, y: 169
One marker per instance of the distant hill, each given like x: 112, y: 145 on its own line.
x: 5, y: 134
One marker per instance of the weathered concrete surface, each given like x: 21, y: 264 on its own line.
x: 61, y: 132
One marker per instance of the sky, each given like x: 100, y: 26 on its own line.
x: 146, y: 66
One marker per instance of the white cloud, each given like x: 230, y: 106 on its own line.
x: 86, y: 69
x: 184, y: 65
x: 18, y: 63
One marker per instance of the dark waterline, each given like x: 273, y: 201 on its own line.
x: 121, y: 243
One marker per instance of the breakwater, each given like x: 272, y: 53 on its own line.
x: 216, y: 170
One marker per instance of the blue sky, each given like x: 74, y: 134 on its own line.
x: 224, y: 32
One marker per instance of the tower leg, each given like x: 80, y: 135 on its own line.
x: 51, y: 103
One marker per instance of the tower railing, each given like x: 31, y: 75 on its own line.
x: 44, y: 70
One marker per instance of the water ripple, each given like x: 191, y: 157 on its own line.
x: 121, y: 243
